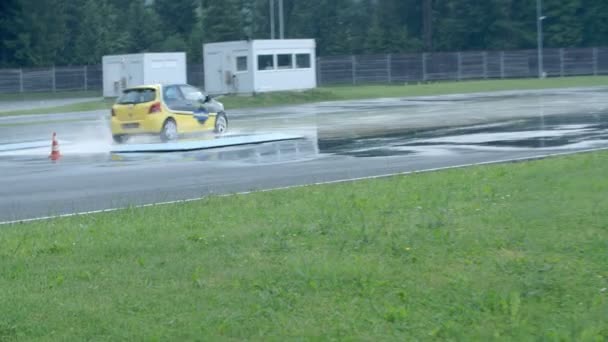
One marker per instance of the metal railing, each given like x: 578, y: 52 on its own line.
x: 363, y: 69
x: 391, y: 68
x: 54, y: 79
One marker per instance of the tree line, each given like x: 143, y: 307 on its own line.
x: 72, y: 32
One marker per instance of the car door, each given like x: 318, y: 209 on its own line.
x: 194, y: 97
x: 174, y: 99
x: 199, y: 99
x: 192, y: 103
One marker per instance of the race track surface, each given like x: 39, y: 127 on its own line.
x: 340, y: 141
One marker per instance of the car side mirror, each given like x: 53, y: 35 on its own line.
x: 207, y: 98
x: 200, y: 97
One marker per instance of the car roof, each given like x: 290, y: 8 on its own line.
x: 146, y: 86
x: 158, y: 85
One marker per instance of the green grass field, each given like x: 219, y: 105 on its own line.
x: 358, y: 92
x: 513, y: 252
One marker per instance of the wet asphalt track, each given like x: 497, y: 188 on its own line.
x: 342, y: 140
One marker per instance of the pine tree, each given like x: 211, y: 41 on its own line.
x: 177, y: 16
x: 98, y: 35
x: 141, y: 39
x: 74, y: 12
x: 41, y: 30
x: 563, y: 26
x: 221, y: 21
x: 595, y: 25
x: 9, y: 9
x: 57, y: 32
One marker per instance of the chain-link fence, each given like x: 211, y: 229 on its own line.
x: 392, y: 68
x: 78, y: 78
x: 74, y: 78
x: 387, y: 68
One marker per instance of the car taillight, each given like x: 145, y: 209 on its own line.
x: 155, y: 108
x: 113, y: 112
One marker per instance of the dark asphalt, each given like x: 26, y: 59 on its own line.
x: 343, y: 141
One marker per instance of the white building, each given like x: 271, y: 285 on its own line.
x: 123, y: 71
x: 245, y: 67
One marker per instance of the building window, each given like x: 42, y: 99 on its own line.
x: 241, y: 63
x: 284, y: 61
x: 265, y: 62
x: 303, y: 60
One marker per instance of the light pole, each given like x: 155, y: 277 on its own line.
x: 539, y: 33
x: 281, y: 21
x: 271, y: 19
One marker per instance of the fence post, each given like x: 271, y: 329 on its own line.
x: 53, y: 75
x: 389, y: 71
x: 86, y: 78
x: 595, y: 61
x: 21, y: 80
x: 354, y: 69
x: 502, y: 64
x: 424, y: 76
x: 484, y: 56
x: 459, y: 67
x: 561, y: 62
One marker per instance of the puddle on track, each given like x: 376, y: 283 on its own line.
x: 562, y: 132
x: 542, y: 132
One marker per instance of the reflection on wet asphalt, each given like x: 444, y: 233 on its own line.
x: 542, y: 132
x: 437, y: 125
x: 268, y: 153
x: 534, y: 133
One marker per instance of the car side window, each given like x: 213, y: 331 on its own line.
x: 172, y: 94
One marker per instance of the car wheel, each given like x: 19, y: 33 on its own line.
x: 169, y: 131
x: 120, y: 139
x: 221, y: 123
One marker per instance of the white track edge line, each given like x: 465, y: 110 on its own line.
x: 346, y: 180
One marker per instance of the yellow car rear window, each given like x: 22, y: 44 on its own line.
x: 134, y: 96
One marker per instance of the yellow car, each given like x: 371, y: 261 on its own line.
x: 167, y: 110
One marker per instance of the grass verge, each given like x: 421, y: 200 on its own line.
x: 336, y: 93
x: 101, y: 104
x: 49, y: 95
x: 466, y: 87
x: 512, y: 252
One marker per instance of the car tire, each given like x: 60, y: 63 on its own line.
x: 120, y: 138
x: 169, y: 130
x: 221, y: 123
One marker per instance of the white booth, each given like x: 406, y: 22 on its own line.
x: 245, y: 67
x: 123, y: 71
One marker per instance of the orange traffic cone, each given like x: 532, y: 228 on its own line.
x: 55, y: 155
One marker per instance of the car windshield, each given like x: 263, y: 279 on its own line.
x: 134, y: 96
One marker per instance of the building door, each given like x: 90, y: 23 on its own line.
x: 135, y: 73
x: 114, y: 76
x: 215, y: 82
